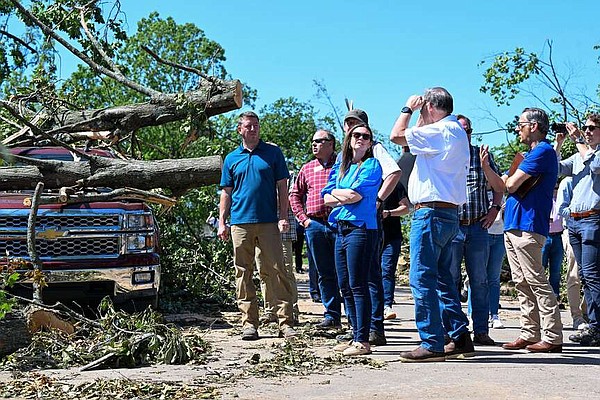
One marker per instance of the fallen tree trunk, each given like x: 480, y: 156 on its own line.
x: 177, y: 175
x: 212, y: 98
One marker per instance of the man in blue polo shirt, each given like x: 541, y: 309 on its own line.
x: 526, y: 216
x: 252, y: 176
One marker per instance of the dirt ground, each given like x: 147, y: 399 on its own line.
x: 272, y: 368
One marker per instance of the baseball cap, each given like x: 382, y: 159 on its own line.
x: 357, y: 114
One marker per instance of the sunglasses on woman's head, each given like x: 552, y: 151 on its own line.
x: 363, y: 136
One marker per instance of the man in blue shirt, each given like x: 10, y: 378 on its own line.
x: 526, y: 216
x: 252, y: 176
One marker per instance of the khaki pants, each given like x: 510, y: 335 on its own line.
x: 288, y: 259
x: 576, y: 301
x: 536, y: 298
x: 245, y: 238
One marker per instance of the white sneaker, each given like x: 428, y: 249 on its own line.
x: 496, y: 323
x: 388, y: 313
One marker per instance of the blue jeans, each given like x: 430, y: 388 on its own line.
x: 389, y: 263
x: 313, y: 275
x: 584, y: 237
x: 431, y: 235
x: 471, y: 243
x: 494, y: 267
x: 320, y: 239
x: 552, y: 254
x: 353, y: 253
x: 376, y: 283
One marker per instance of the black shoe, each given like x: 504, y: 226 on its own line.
x: 561, y: 306
x: 461, y: 347
x: 587, y: 337
x: 483, y: 339
x: 377, y: 338
x: 345, y: 338
x: 329, y: 323
x: 316, y: 299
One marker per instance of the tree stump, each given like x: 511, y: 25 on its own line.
x: 14, y: 333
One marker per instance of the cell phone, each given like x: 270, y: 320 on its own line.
x: 558, y: 127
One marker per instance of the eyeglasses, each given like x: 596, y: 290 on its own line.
x: 364, y: 136
x: 321, y: 140
x: 520, y: 124
x: 590, y: 128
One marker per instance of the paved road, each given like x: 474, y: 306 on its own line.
x: 493, y: 373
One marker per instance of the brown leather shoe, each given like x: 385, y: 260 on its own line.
x: 544, y: 347
x: 517, y: 344
x: 421, y: 354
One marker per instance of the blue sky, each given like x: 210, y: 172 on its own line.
x: 380, y: 52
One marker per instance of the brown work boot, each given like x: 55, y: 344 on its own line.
x: 420, y: 354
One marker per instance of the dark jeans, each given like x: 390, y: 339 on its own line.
x: 389, y: 264
x: 584, y: 237
x: 354, y: 249
x: 376, y: 283
x: 552, y: 257
x: 313, y: 275
x: 298, y: 246
x: 494, y: 268
x: 320, y: 239
x: 472, y: 243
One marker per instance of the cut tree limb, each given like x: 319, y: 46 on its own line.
x: 178, y: 175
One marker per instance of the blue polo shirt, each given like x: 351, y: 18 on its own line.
x: 253, y: 177
x: 532, y: 213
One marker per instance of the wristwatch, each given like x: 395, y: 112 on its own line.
x: 406, y: 110
x: 497, y: 207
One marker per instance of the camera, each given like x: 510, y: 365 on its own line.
x: 558, y: 127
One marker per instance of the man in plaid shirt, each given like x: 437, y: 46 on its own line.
x: 310, y: 210
x: 471, y: 242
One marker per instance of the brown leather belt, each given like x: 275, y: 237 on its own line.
x: 435, y: 204
x: 467, y: 222
x: 585, y: 214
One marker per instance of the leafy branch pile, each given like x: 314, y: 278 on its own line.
x: 117, y: 340
x: 36, y: 386
x: 298, y: 358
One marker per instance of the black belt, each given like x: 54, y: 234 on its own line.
x: 435, y: 204
x: 467, y: 222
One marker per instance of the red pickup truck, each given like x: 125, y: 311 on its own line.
x: 87, y: 250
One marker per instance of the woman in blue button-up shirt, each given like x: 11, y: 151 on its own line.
x: 352, y: 192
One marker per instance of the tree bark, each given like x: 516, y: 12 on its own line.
x: 14, y: 333
x: 177, y: 175
x: 210, y: 99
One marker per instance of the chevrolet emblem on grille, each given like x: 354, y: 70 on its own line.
x: 50, y: 234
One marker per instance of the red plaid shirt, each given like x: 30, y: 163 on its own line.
x: 305, y: 198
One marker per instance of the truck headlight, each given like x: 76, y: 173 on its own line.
x: 140, y: 243
x: 139, y: 221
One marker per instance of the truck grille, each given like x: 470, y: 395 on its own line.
x: 60, y: 222
x: 70, y: 247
